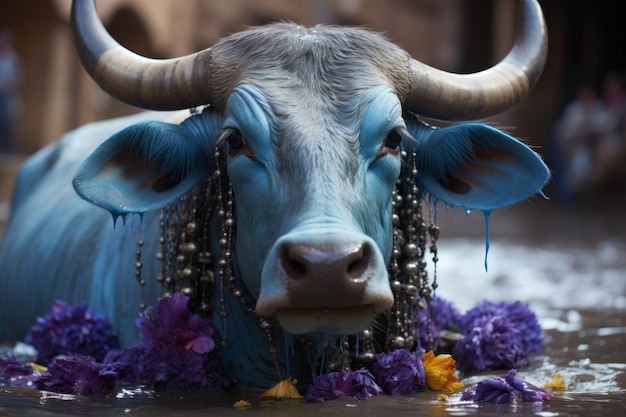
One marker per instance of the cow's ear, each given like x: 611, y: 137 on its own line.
x: 148, y: 165
x: 475, y: 166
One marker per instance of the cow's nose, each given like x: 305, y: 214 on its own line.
x: 326, y: 275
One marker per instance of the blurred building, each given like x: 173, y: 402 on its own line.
x: 454, y: 35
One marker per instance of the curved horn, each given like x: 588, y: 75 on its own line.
x: 443, y: 95
x: 169, y: 84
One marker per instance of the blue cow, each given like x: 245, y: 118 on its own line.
x: 287, y: 205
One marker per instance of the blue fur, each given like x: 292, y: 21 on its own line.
x: 58, y: 246
x: 182, y: 153
x: 457, y: 153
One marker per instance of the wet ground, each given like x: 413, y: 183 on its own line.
x: 567, y: 264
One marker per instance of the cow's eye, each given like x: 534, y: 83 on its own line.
x: 391, y: 144
x: 235, y: 139
x: 393, y: 140
x: 237, y: 144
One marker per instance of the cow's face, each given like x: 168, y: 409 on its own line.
x: 312, y: 119
x: 313, y: 204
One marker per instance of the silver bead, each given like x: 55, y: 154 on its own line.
x: 191, y: 228
x: 410, y: 249
x: 410, y: 268
x: 189, y: 272
x: 188, y: 291
x: 398, y: 342
x: 365, y: 334
x: 411, y: 289
x: 190, y: 248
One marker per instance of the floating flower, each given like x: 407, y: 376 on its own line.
x: 131, y: 364
x: 493, y: 343
x: 400, y: 372
x: 444, y: 316
x: 285, y: 389
x: 175, y: 351
x: 520, y: 316
x: 505, y: 389
x: 16, y: 373
x: 441, y: 372
x: 556, y: 383
x: 71, y: 330
x: 242, y: 404
x: 77, y: 374
x: 497, y: 335
x: 356, y: 384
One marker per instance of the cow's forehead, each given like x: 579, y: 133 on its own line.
x: 324, y: 62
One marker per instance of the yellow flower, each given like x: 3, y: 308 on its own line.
x: 285, y: 388
x: 37, y: 367
x: 242, y: 404
x: 440, y: 372
x: 555, y: 383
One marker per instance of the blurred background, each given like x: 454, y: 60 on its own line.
x: 573, y: 117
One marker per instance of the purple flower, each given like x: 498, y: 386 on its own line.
x: 520, y: 316
x: 530, y: 329
x: 170, y: 324
x: 131, y: 364
x: 528, y: 390
x: 497, y: 335
x: 359, y: 385
x: 175, y: 352
x: 77, y: 374
x: 505, y: 389
x: 15, y: 373
x: 71, y: 330
x: 400, y: 372
x: 443, y: 316
x: 491, y: 343
x: 491, y: 390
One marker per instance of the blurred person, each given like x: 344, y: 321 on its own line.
x: 584, y: 123
x: 10, y: 77
x: 611, y: 148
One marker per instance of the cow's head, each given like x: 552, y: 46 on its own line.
x: 314, y: 122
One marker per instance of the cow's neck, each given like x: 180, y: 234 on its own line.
x: 255, y: 352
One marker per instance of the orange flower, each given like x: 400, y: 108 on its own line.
x: 440, y: 372
x: 242, y: 404
x: 285, y: 389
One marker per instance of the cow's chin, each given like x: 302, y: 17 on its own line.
x: 349, y: 320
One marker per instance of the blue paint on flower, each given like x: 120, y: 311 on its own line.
x: 400, y: 372
x: 359, y: 385
x: 505, y: 389
x: 76, y: 374
x: 71, y: 329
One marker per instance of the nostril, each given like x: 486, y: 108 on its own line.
x: 360, y: 260
x: 292, y: 262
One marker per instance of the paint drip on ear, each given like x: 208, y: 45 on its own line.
x: 474, y: 167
